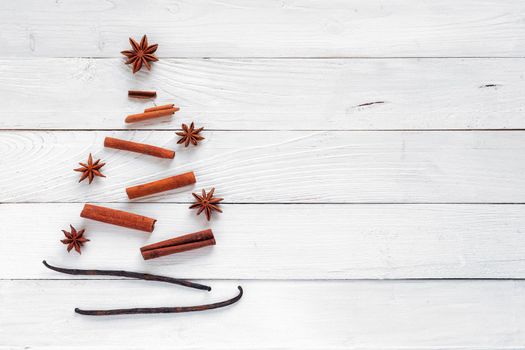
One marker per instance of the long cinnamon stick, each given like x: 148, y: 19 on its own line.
x: 158, y: 108
x: 143, y: 148
x: 118, y: 217
x: 134, y: 118
x: 161, y: 185
x: 179, y: 244
x: 142, y: 94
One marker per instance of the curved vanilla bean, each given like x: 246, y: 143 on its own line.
x: 161, y: 310
x: 137, y: 275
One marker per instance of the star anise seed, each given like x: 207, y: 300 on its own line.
x: 190, y: 134
x: 206, y: 203
x: 90, y: 169
x: 74, y: 239
x: 141, y: 54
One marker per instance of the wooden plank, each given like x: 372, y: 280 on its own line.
x: 275, y: 167
x: 233, y: 28
x: 284, y: 315
x: 237, y: 94
x: 280, y: 241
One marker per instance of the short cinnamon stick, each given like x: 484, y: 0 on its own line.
x: 118, y: 217
x: 134, y: 118
x: 161, y: 185
x: 142, y: 94
x: 189, y: 238
x: 158, y: 108
x: 142, y: 148
x: 179, y: 244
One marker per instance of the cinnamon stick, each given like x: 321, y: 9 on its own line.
x: 134, y: 118
x: 142, y: 94
x: 161, y: 185
x: 143, y: 148
x: 118, y: 217
x: 179, y: 244
x: 189, y: 238
x: 158, y: 108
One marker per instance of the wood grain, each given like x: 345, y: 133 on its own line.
x: 279, y: 241
x: 262, y: 94
x: 314, y: 212
x: 271, y: 315
x: 275, y: 28
x: 275, y: 166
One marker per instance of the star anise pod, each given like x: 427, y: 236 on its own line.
x: 74, y: 239
x: 140, y: 54
x: 90, y: 169
x: 206, y: 203
x: 190, y: 134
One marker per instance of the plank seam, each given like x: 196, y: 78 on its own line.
x: 273, y: 57
x: 282, y: 203
x: 408, y: 279
x: 272, y: 130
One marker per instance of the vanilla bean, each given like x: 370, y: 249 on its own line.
x: 161, y: 310
x: 137, y: 275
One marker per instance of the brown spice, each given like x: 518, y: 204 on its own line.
x: 147, y: 277
x: 206, y: 203
x: 164, y: 309
x: 130, y: 274
x: 141, y: 54
x: 74, y: 239
x: 90, y: 170
x: 134, y: 118
x: 179, y: 244
x: 118, y: 217
x: 142, y: 94
x: 142, y: 148
x: 161, y: 185
x: 158, y: 108
x: 190, y: 134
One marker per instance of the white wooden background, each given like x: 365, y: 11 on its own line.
x: 371, y: 155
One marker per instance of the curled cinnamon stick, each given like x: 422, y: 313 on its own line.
x: 158, y: 108
x: 134, y: 118
x: 161, y: 185
x: 118, y: 217
x: 179, y: 244
x: 142, y: 94
x: 143, y: 148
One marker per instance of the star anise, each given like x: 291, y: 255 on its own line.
x: 90, y: 169
x: 140, y: 54
x: 190, y: 134
x: 206, y: 203
x: 74, y: 239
